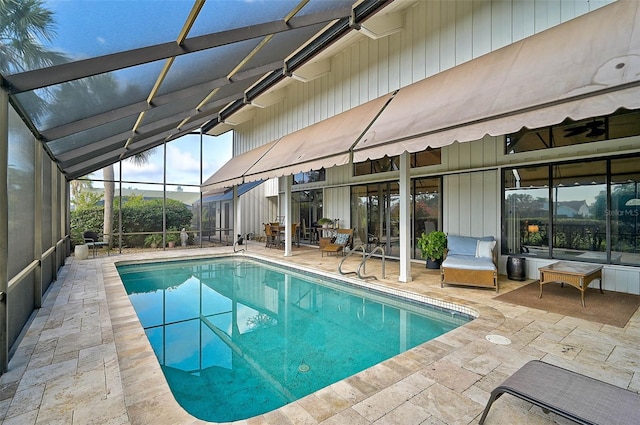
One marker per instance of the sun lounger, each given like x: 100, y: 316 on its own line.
x: 569, y: 394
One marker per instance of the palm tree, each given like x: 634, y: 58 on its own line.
x: 23, y: 24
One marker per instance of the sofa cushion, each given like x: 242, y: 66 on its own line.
x: 341, y: 239
x: 484, y: 249
x: 463, y: 245
x: 467, y: 262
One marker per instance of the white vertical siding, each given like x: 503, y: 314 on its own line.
x: 471, y: 204
x: 335, y: 204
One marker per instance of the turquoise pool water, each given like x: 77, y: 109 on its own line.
x: 237, y: 337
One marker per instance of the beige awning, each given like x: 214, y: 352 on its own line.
x: 232, y: 173
x: 589, y: 66
x: 324, y: 144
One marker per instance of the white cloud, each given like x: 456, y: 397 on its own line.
x: 181, y: 160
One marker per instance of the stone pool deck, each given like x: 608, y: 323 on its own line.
x: 84, y: 358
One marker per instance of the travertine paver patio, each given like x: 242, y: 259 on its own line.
x: 84, y: 358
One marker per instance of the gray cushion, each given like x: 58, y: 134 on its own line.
x: 464, y: 245
x: 341, y: 239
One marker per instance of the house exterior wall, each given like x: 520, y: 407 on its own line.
x: 437, y: 35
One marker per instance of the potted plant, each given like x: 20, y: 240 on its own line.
x: 432, y: 246
x: 153, y: 240
x: 172, y: 237
x: 324, y: 221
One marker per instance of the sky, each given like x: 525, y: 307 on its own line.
x: 148, y: 22
x: 183, y: 163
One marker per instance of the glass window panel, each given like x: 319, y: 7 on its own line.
x: 625, y: 210
x: 419, y: 159
x: 426, y: 204
x: 528, y: 140
x: 426, y: 158
x: 375, y: 213
x: 526, y: 211
x: 579, y: 232
x: 309, y: 177
x: 385, y: 164
x: 309, y: 210
x: 362, y: 168
x: 359, y: 213
x: 622, y: 123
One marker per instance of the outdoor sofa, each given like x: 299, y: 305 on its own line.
x: 470, y: 261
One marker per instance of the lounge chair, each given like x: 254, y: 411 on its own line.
x: 342, y: 240
x: 92, y: 240
x: 569, y: 394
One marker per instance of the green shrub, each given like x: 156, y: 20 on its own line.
x: 141, y: 217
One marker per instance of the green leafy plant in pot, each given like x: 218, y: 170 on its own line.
x: 153, y: 240
x: 432, y: 246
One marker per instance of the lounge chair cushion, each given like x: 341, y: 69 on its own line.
x: 468, y: 262
x: 464, y: 245
x: 341, y: 239
x: 484, y: 249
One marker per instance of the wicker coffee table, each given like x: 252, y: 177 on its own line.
x: 578, y: 275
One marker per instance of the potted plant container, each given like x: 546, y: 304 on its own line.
x: 153, y: 241
x: 432, y: 246
x: 172, y: 237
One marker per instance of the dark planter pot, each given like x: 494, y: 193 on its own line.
x: 433, y: 264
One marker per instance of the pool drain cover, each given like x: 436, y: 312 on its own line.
x: 304, y: 368
x: 498, y: 339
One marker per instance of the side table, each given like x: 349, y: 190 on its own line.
x: 578, y: 275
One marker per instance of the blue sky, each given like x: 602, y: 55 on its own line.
x: 90, y: 28
x: 183, y: 163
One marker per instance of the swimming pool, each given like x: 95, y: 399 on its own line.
x: 238, y: 337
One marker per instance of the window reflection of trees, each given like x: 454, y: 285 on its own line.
x: 593, y: 211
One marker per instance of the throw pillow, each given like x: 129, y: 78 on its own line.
x: 484, y: 249
x: 341, y: 239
